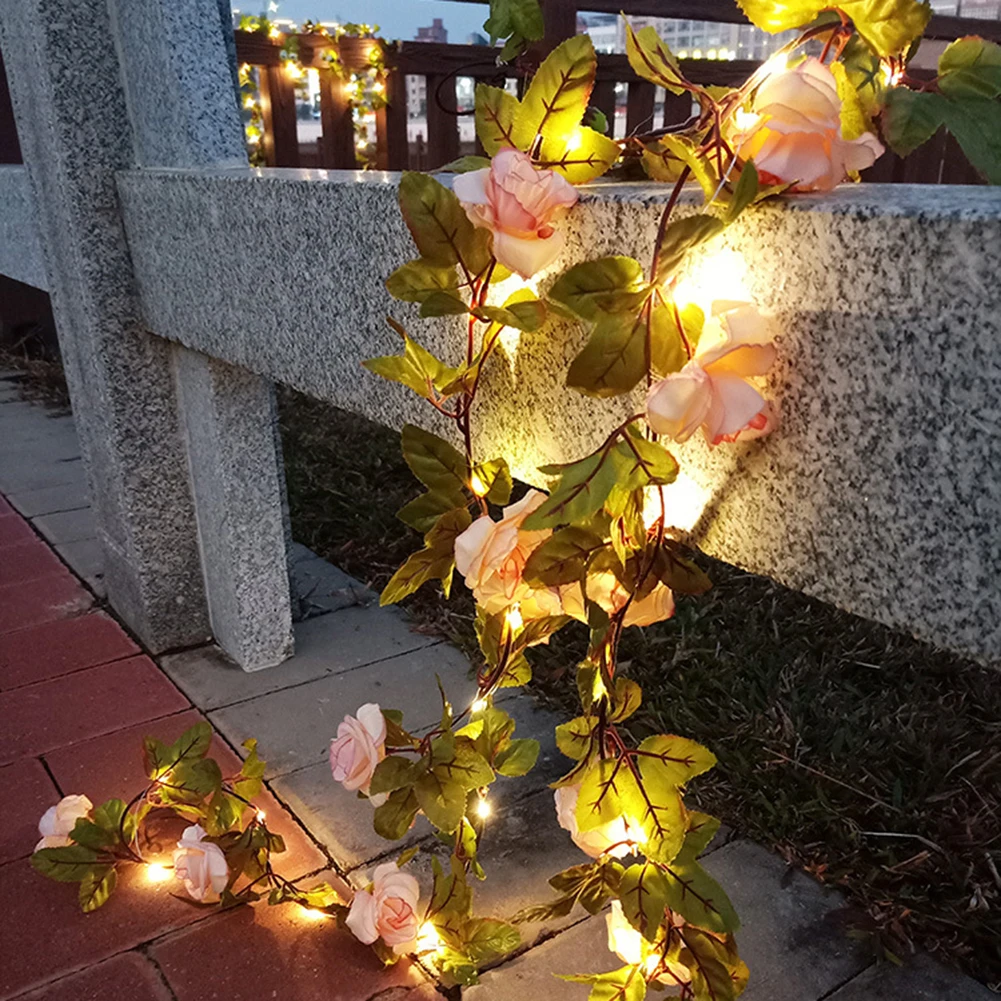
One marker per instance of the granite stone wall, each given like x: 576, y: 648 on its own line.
x: 20, y: 252
x: 881, y: 492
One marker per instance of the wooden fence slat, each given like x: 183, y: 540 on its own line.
x: 639, y: 107
x: 677, y: 108
x: 281, y: 130
x: 443, y: 125
x: 337, y: 143
x: 603, y: 98
x: 393, y: 151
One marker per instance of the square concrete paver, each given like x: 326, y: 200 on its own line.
x: 49, y: 500
x: 250, y: 954
x: 56, y: 648
x: 294, y: 726
x: 45, y: 599
x: 51, y: 714
x: 129, y: 976
x: 39, y: 475
x: 26, y: 559
x: 329, y: 644
x: 919, y: 979
x: 85, y: 557
x: 67, y: 526
x: 26, y: 792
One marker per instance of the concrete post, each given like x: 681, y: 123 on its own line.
x: 188, y: 492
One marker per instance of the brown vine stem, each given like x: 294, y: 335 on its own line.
x: 665, y: 218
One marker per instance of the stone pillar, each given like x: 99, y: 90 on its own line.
x: 189, y: 510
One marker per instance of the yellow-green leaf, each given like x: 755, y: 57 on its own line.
x: 495, y: 113
x: 855, y: 121
x: 581, y: 156
x: 557, y: 97
x: 970, y: 67
x: 652, y: 60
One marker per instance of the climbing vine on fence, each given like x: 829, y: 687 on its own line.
x: 597, y: 546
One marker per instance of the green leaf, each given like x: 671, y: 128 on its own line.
x: 562, y: 557
x: 582, y: 489
x: 251, y: 779
x: 69, y: 864
x: 679, y: 571
x: 911, y: 118
x: 692, y: 892
x: 190, y: 781
x: 518, y: 758
x: 439, y: 225
x: 88, y: 834
x: 627, y: 697
x: 606, y: 285
x: 574, y: 738
x: 614, y: 360
x: 976, y: 124
x: 193, y: 744
x: 970, y: 67
x: 392, y: 773
x: 746, y: 189
x: 394, y: 818
x: 96, y: 887
x: 443, y: 304
x: 677, y: 759
x: 643, y: 894
x: 466, y: 767
x: 493, y: 481
x: 436, y: 463
x: 888, y: 26
x: 416, y: 368
x: 495, y: 113
x: 424, y: 511
x: 442, y: 800
x: 557, y: 97
x: 435, y: 561
x: 625, y: 984
x: 580, y: 156
x: 486, y: 940
x: 652, y: 60
x: 465, y: 165
x: 223, y: 813
x: 669, y: 353
x: 643, y: 463
x: 717, y: 971
x: 416, y: 280
x: 666, y: 157
x: 682, y: 237
x: 522, y: 314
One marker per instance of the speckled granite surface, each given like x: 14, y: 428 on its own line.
x: 881, y: 492
x: 20, y: 251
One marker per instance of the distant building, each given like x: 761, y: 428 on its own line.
x: 436, y: 33
x: 477, y: 39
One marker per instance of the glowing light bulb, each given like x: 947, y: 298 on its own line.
x: 483, y: 809
x: 157, y: 873
x: 311, y: 914
x: 651, y: 963
x: 683, y: 54
x: 697, y: 54
x: 711, y: 54
x: 891, y: 76
x: 575, y: 141
x: 778, y: 63
x: 514, y: 619
x: 378, y: 86
x: 275, y: 32
x: 478, y: 486
x: 478, y: 706
x: 260, y: 816
x: 428, y: 938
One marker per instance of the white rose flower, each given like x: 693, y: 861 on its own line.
x: 200, y: 865
x: 59, y: 820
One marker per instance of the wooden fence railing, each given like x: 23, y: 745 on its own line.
x: 939, y: 161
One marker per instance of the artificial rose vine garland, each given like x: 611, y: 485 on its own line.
x: 597, y: 547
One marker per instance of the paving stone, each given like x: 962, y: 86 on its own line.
x: 39, y: 718
x: 57, y: 648
x: 49, y: 500
x: 294, y: 726
x: 325, y: 645
x: 49, y: 474
x: 523, y: 847
x: 13, y: 530
x: 792, y: 932
x: 27, y: 560
x: 96, y: 584
x: 111, y: 766
x: 30, y: 450
x: 45, y: 935
x: 338, y: 819
x: 56, y: 596
x: 276, y: 952
x: 318, y: 587
x: 26, y: 792
x: 67, y: 526
x: 919, y: 979
x: 86, y: 557
x: 127, y: 977
x: 582, y: 948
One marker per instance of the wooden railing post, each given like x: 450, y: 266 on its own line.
x: 281, y: 130
x: 603, y: 98
x: 392, y: 141
x: 443, y: 123
x: 337, y: 144
x: 639, y: 107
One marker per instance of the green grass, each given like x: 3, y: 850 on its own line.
x: 862, y: 755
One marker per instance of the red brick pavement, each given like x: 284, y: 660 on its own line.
x: 76, y: 697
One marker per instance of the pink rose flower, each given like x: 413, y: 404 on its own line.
x: 359, y: 746
x: 491, y: 556
x: 200, y: 865
x: 387, y: 910
x: 713, y: 390
x: 793, y: 133
x: 519, y: 204
x: 59, y: 820
x: 632, y: 948
x: 617, y: 838
x: 607, y: 590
